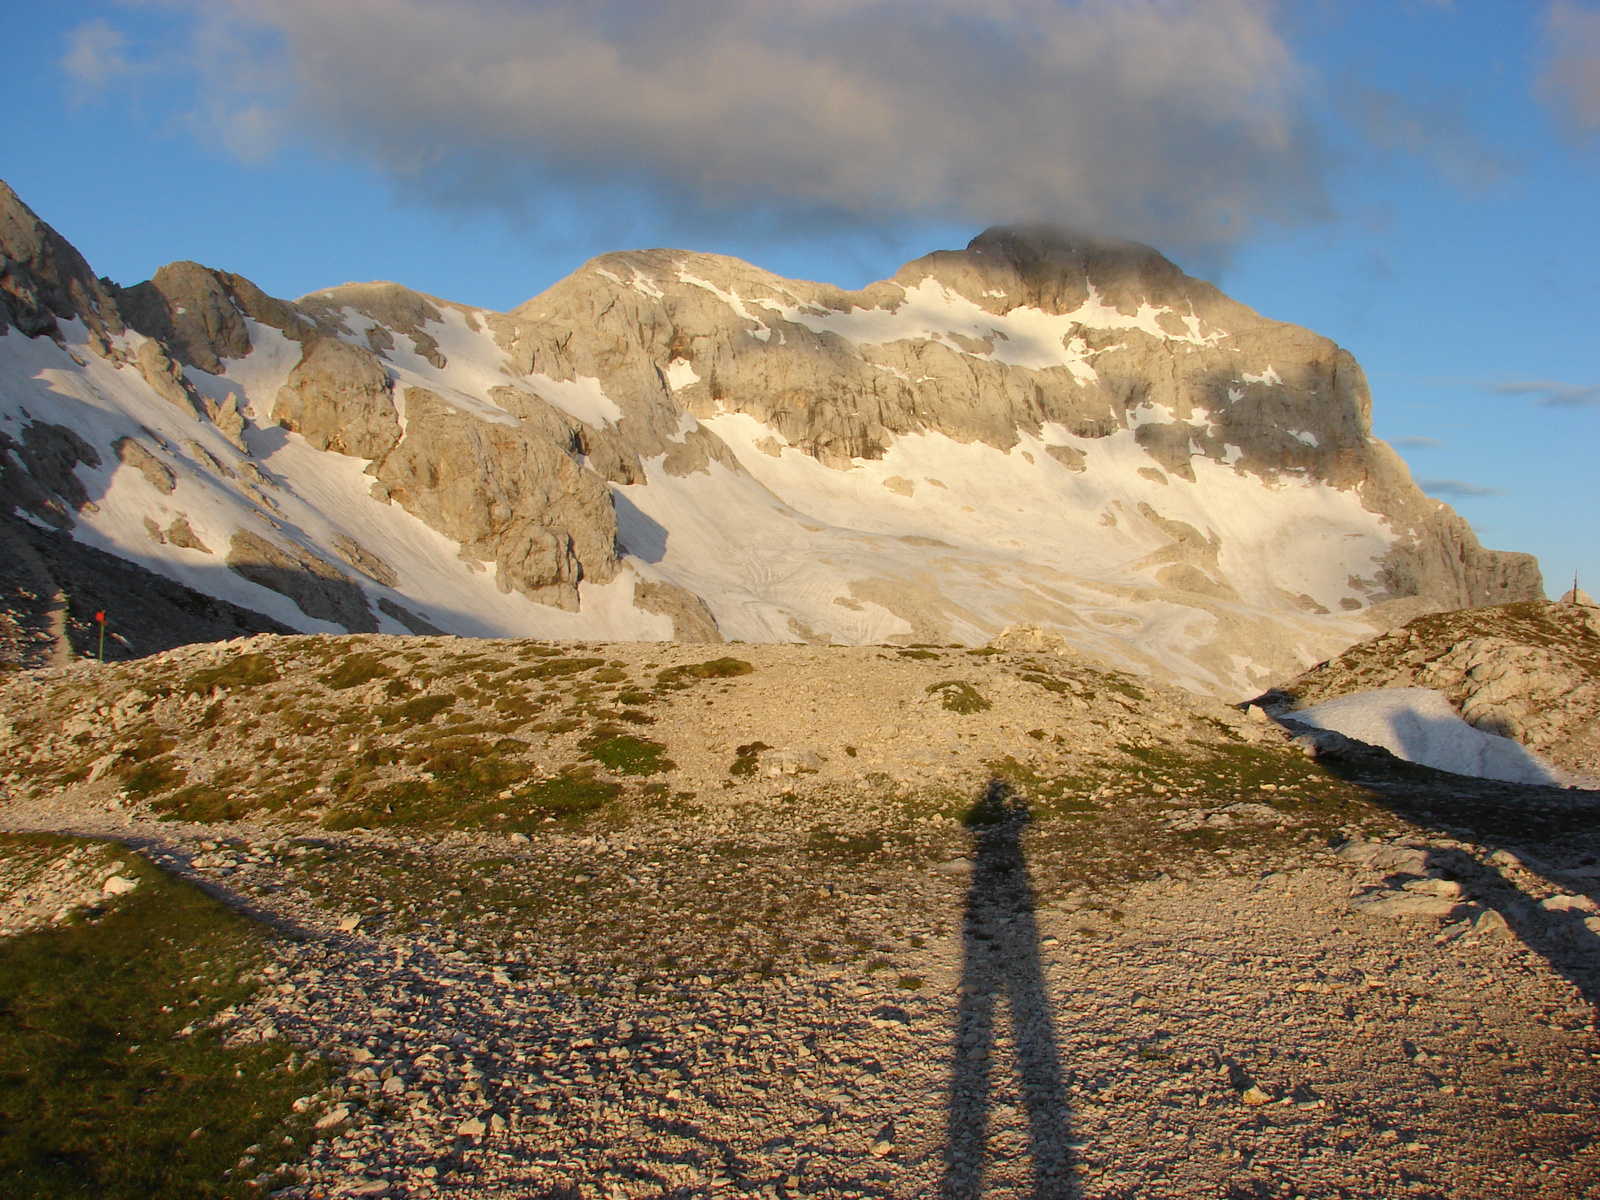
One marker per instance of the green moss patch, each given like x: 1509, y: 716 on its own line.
x: 554, y: 668
x: 142, y: 780
x: 747, y: 758
x: 354, y: 670
x: 417, y: 711
x: 958, y: 696
x: 203, y: 802
x: 628, y: 755
x: 674, y: 678
x: 242, y: 671
x: 102, y: 1093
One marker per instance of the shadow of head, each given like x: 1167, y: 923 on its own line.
x: 997, y: 804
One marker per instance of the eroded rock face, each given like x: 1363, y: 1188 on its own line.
x: 156, y: 472
x: 338, y: 398
x: 38, y: 475
x: 840, y: 376
x: 319, y: 589
x: 516, y: 501
x: 199, y: 313
x: 691, y: 619
x: 754, y: 415
x: 43, y: 279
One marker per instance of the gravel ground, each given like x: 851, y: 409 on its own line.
x: 1051, y: 968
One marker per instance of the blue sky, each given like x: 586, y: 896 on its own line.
x: 1419, y: 181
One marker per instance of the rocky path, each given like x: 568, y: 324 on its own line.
x: 677, y: 1012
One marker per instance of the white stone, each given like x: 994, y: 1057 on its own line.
x: 332, y: 1117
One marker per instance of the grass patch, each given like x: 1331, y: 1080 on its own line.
x: 1058, y: 795
x: 850, y: 846
x: 99, y: 1096
x: 554, y: 668
x: 674, y: 678
x: 958, y: 696
x: 354, y: 670
x: 628, y: 755
x: 245, y: 670
x: 202, y: 802
x: 418, y: 711
x: 568, y: 795
x: 141, y: 780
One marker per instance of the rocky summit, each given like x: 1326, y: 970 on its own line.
x: 667, y: 445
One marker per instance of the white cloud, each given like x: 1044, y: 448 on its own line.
x: 1177, y: 121
x: 96, y: 58
x: 1569, y: 84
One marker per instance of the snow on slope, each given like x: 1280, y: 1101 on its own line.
x: 1419, y: 725
x: 1022, y: 336
x: 936, y: 540
x: 973, y: 538
x: 307, y: 498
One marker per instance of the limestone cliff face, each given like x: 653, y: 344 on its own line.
x: 1041, y: 427
x: 1190, y: 372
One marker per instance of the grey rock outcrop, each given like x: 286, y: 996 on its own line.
x: 199, y: 313
x: 156, y: 472
x: 338, y: 398
x: 518, y: 502
x: 318, y: 589
x: 1527, y: 671
x: 37, y: 473
x: 392, y: 308
x: 691, y: 619
x: 511, y: 434
x: 1223, y: 382
x: 43, y: 279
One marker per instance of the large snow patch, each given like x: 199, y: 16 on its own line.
x: 1419, y: 725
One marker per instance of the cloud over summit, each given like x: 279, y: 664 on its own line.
x: 1176, y: 121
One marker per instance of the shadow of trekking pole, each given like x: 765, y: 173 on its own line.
x: 1001, y: 960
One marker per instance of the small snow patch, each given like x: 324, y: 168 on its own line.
x: 1418, y: 725
x: 680, y: 374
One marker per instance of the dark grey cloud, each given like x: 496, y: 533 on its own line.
x: 1551, y: 394
x: 1456, y: 489
x: 1569, y: 83
x: 1175, y: 121
x: 1417, y: 443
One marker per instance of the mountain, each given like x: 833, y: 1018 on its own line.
x: 1043, y: 428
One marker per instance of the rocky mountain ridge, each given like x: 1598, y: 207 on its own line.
x: 1529, y: 672
x: 666, y: 444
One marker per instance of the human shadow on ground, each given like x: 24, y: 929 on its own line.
x: 1002, y: 960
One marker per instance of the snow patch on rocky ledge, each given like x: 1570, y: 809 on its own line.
x: 1419, y: 725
